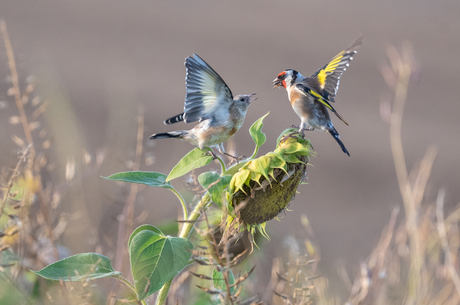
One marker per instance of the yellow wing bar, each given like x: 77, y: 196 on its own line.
x: 307, y: 91
x: 329, y: 69
x: 329, y: 76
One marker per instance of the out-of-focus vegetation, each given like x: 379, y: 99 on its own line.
x: 415, y: 261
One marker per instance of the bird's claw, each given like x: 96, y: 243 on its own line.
x: 290, y: 135
x: 293, y: 126
x: 236, y: 159
x: 210, y: 153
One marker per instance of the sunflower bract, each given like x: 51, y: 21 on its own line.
x: 265, y: 186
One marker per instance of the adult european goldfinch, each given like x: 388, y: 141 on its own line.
x: 208, y: 100
x: 310, y: 97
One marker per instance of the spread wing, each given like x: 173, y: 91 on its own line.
x: 206, y: 91
x: 318, y: 97
x: 329, y: 76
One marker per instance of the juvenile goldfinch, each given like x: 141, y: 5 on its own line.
x: 208, y: 100
x: 310, y: 97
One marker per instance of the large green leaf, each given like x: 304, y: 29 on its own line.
x: 156, y: 259
x: 79, y: 267
x: 148, y: 178
x: 257, y: 135
x: 219, y: 281
x: 195, y: 159
x: 215, y: 184
x: 142, y: 228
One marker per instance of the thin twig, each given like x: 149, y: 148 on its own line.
x: 445, y: 244
x: 125, y: 226
x: 378, y: 257
x: 403, y: 67
x: 424, y: 173
x: 13, y: 176
x: 28, y: 133
x: 16, y: 91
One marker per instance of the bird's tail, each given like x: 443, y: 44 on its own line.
x: 166, y: 135
x: 339, y: 116
x: 174, y: 119
x: 336, y: 136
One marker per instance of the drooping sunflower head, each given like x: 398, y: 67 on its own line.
x: 265, y: 186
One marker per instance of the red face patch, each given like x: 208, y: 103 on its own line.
x: 282, y: 77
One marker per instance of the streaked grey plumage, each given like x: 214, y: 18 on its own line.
x: 210, y: 101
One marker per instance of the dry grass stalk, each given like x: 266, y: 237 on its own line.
x: 449, y: 258
x: 14, y: 175
x: 28, y: 134
x: 407, y: 264
x: 126, y: 222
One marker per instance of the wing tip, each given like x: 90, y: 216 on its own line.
x: 358, y: 42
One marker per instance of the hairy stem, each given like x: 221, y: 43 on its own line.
x: 185, y: 233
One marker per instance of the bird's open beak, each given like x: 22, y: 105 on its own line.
x: 252, y: 99
x: 276, y: 83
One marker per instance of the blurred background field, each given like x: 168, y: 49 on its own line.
x: 96, y: 65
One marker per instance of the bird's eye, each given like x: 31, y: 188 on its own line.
x: 242, y: 99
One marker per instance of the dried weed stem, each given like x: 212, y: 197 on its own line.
x: 28, y: 134
x: 444, y: 242
x: 13, y: 176
x: 403, y: 66
x: 125, y: 226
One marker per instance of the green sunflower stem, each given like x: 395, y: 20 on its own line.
x: 222, y: 164
x: 185, y: 233
x: 254, y: 155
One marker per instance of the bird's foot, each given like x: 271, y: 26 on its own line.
x: 291, y: 135
x: 293, y: 126
x: 210, y: 153
x: 234, y: 159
